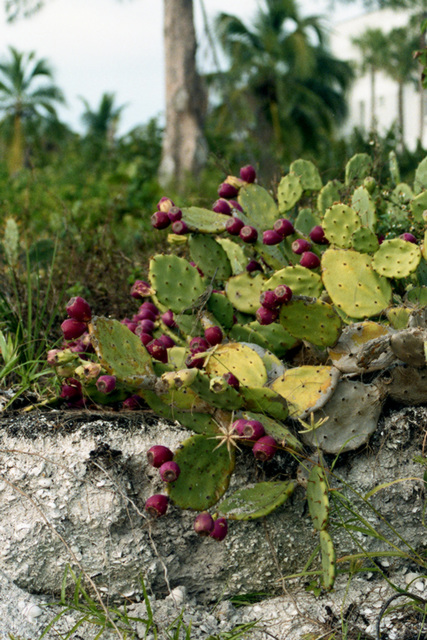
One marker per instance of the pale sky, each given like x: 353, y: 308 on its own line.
x: 97, y: 46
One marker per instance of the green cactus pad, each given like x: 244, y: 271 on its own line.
x: 209, y: 256
x: 276, y: 256
x: 417, y: 296
x: 396, y: 258
x: 201, y: 423
x: 307, y: 173
x: 420, y: 181
x: 266, y: 401
x: 121, y: 353
x: 364, y: 206
x: 312, y: 320
x: 248, y: 333
x: 283, y: 436
x: 306, y: 388
x: 329, y: 568
x: 302, y: 281
x: 259, y: 207
x: 339, y: 224
x: 399, y: 317
x: 289, y: 192
x: 394, y: 167
x: 227, y: 399
x: 203, y: 220
x: 358, y: 168
x: 184, y: 399
x: 344, y: 355
x: 329, y: 195
x: 240, y: 360
x: 220, y: 306
x: 352, y: 284
x: 235, y: 253
x: 403, y: 192
x: 244, y: 291
x: 306, y: 220
x: 318, y: 497
x: 205, y: 473
x: 256, y: 501
x: 364, y: 240
x: 418, y: 206
x: 178, y: 285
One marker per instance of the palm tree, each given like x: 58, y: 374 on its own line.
x: 102, y: 123
x: 24, y: 98
x: 282, y: 79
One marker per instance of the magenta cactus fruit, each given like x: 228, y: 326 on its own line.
x: 248, y: 234
x: 284, y: 227
x: 269, y: 299
x: 160, y: 220
x: 72, y: 329
x: 248, y: 173
x: 192, y: 362
x: 239, y: 425
x: 140, y: 289
x: 168, y: 319
x: 271, y: 237
x: 309, y: 260
x: 222, y: 206
x: 158, y: 455
x: 106, y: 384
x: 71, y: 389
x: 132, y: 403
x: 236, y: 205
x: 214, y: 335
x: 165, y: 204
x: 264, y: 448
x: 167, y: 341
x: 234, y: 226
x: 144, y: 314
x: 157, y: 350
x: 198, y: 344
x: 409, y: 237
x: 226, y: 190
x: 174, y: 214
x: 180, y: 227
x: 150, y: 306
x: 252, y: 266
x: 300, y: 245
x: 220, y: 529
x: 317, y: 235
x: 203, y: 524
x: 78, y: 309
x: 145, y: 326
x: 169, y: 471
x: 266, y: 316
x: 145, y: 338
x: 253, y: 430
x: 231, y: 379
x: 157, y: 505
x: 283, y: 293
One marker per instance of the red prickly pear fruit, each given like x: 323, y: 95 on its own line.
x: 234, y: 226
x: 409, y: 237
x: 174, y: 214
x: 309, y: 260
x: 239, y: 425
x: 231, y: 379
x: 271, y: 237
x: 150, y: 306
x: 266, y: 316
x: 317, y: 235
x: 78, y: 347
x: 283, y: 293
x: 141, y: 289
x: 158, y: 455
x: 180, y: 227
x: 160, y: 220
x: 130, y: 324
x: 284, y: 227
x: 71, y: 389
x: 220, y: 529
x: 248, y: 173
x: 248, y: 234
x: 381, y: 238
x: 165, y: 204
x: 236, y: 205
x: 157, y: 505
x: 145, y: 326
x: 145, y: 338
x: 199, y: 344
x: 168, y: 319
x: 169, y: 471
x: 106, y: 384
x: 73, y: 328
x: 132, y: 403
x: 191, y: 362
x: 157, y: 350
x: 252, y: 266
x: 78, y: 309
x: 226, y: 190
x: 264, y: 448
x: 203, y: 524
x: 300, y: 245
x: 214, y: 335
x: 144, y: 314
x: 167, y: 341
x: 269, y: 300
x: 222, y: 206
x: 253, y: 430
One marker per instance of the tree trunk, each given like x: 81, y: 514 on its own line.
x: 401, y: 115
x: 184, y: 147
x: 373, y: 99
x: 16, y: 151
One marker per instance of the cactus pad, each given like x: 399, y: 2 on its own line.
x: 289, y: 192
x: 302, y: 281
x: 209, y: 256
x: 318, y: 498
x: 222, y: 309
x: 307, y: 173
x: 178, y: 285
x: 353, y: 285
x: 256, y: 501
x: 339, y: 224
x: 344, y: 354
x: 364, y: 206
x: 364, y: 240
x: 244, y: 291
x: 407, y: 385
x: 408, y: 346
x: 229, y: 398
x: 204, y: 220
x: 283, y: 436
x: 398, y: 317
x: 418, y: 206
x: 260, y: 209
x: 306, y: 220
x: 306, y: 388
x: 328, y: 557
x: 396, y: 258
x: 329, y: 195
x: 265, y: 401
x: 205, y: 473
x: 201, y: 423
x: 358, y: 168
x: 420, y: 181
x: 311, y: 320
x: 240, y: 360
x: 235, y: 254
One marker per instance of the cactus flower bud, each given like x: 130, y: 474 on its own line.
x: 157, y: 505
x: 309, y: 260
x: 227, y: 190
x: 169, y: 471
x: 271, y: 236
x: 266, y: 316
x: 220, y: 529
x: 73, y: 328
x: 106, y: 384
x: 203, y: 524
x: 174, y: 214
x: 264, y: 448
x: 234, y: 226
x: 141, y: 289
x: 300, y: 245
x: 284, y: 227
x: 248, y: 234
x: 222, y: 206
x: 214, y: 335
x: 158, y: 455
x: 217, y: 384
x: 160, y: 220
x: 88, y: 371
x: 51, y: 357
x: 317, y: 235
x: 248, y: 173
x: 78, y: 309
x: 165, y: 204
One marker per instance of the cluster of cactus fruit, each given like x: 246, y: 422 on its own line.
x: 307, y: 304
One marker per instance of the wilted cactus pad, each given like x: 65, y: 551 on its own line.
x: 306, y: 388
x: 257, y: 501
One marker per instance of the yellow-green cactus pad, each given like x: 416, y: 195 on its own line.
x: 318, y: 498
x: 203, y: 220
x: 398, y: 317
x: 263, y: 400
x: 244, y: 291
x: 358, y: 168
x: 329, y: 195
x: 240, y: 360
x: 306, y: 388
x: 396, y: 258
x: 329, y: 567
x: 302, y: 281
x: 311, y: 320
x: 201, y: 423
x: 364, y: 240
x: 417, y: 296
x: 307, y: 173
x: 363, y: 205
x: 289, y: 192
x: 177, y: 283
x: 209, y: 256
x: 282, y: 435
x: 352, y: 284
x: 259, y: 208
x: 418, y: 206
x: 256, y: 501
x: 235, y: 253
x: 339, y: 224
